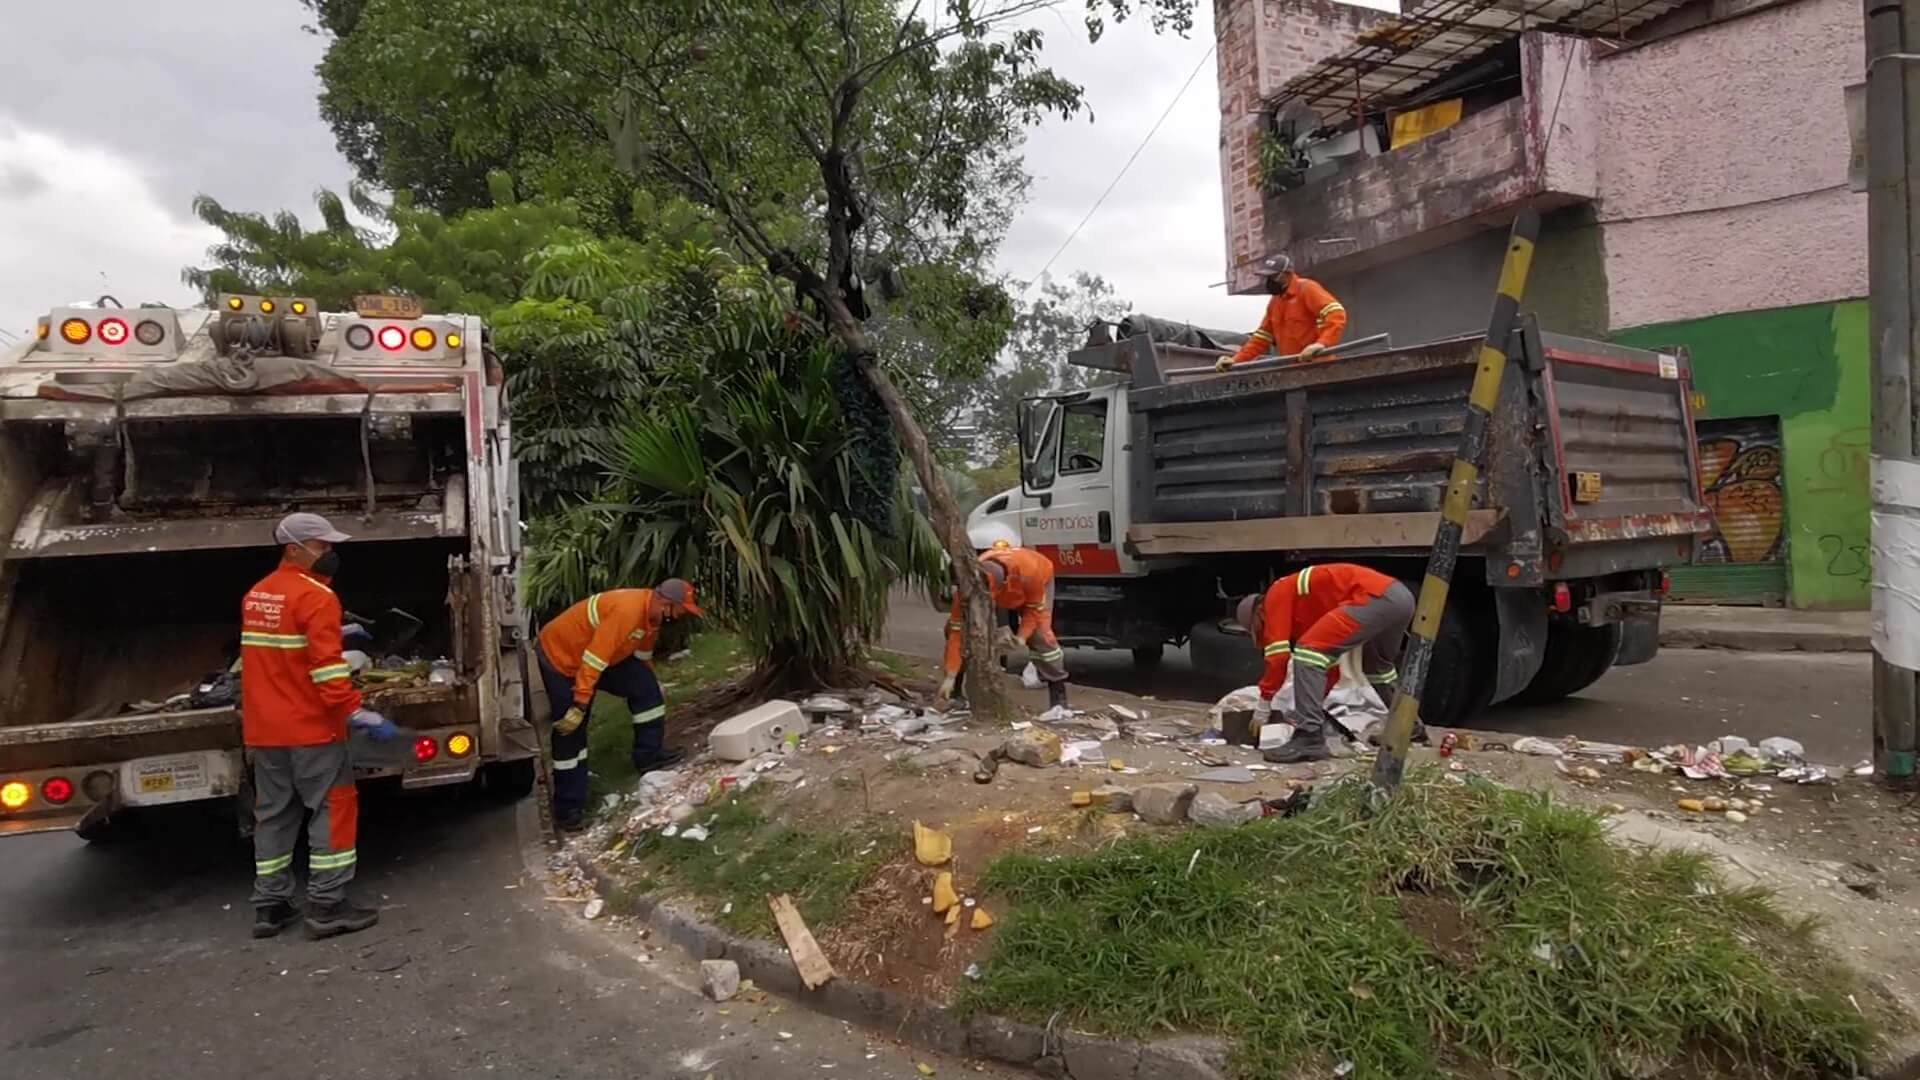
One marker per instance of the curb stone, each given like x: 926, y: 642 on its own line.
x: 1070, y: 1054
x: 1821, y: 641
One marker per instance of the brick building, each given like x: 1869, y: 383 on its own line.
x: 1691, y: 162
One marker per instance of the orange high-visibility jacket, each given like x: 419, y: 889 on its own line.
x: 1302, y: 315
x: 1297, y: 602
x: 597, y: 633
x: 1028, y: 575
x: 295, y: 688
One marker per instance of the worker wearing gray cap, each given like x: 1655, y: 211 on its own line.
x: 604, y: 644
x: 296, y: 703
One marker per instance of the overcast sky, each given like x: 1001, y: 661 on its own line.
x: 105, y: 140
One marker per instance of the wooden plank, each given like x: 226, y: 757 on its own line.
x: 815, y: 971
x: 1299, y: 456
x: 1326, y: 533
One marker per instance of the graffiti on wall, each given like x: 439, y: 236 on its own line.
x: 1740, y: 476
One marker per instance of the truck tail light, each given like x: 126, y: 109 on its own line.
x: 459, y: 744
x: 1562, y: 597
x: 1666, y: 584
x: 14, y: 795
x: 57, y: 790
x: 425, y: 749
x: 75, y: 331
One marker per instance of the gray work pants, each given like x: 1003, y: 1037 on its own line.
x: 311, y: 786
x: 1376, y: 628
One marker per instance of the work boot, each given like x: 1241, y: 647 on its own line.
x: 666, y: 759
x: 574, y: 821
x: 339, y: 917
x: 269, y: 919
x: 1056, y: 695
x: 1305, y: 745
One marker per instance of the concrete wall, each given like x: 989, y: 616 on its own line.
x: 1806, y: 365
x: 1723, y: 166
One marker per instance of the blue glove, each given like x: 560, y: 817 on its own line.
x: 377, y: 727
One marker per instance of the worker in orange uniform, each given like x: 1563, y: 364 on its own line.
x: 296, y: 703
x: 1302, y: 317
x: 1313, y: 618
x: 605, y: 644
x: 1018, y: 580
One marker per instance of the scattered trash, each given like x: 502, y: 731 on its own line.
x: 1805, y: 774
x: 944, y: 898
x: 1123, y: 712
x: 1693, y: 805
x: 1226, y: 774
x: 1345, y: 1068
x: 1736, y: 817
x: 1581, y: 772
x: 1780, y: 746
x: 1528, y: 744
x: 972, y: 973
x: 931, y: 847
x: 1863, y: 768
x: 808, y: 960
x: 1021, y: 725
x: 1730, y: 744
x: 697, y: 833
x: 825, y: 705
x: 981, y: 920
x: 594, y: 907
x: 1030, y: 678
x: 720, y: 979
x: 1083, y: 752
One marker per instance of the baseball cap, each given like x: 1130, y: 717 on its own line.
x: 1275, y: 264
x: 299, y: 528
x: 676, y: 591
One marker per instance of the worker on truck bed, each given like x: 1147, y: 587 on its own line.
x: 1312, y: 618
x: 605, y: 643
x: 1018, y: 580
x: 296, y: 703
x: 1302, y: 317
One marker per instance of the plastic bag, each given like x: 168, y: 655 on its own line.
x: 1030, y: 678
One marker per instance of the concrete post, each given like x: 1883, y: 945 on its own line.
x: 1893, y: 154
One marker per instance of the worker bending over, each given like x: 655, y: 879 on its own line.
x: 296, y: 703
x: 1302, y: 317
x: 1019, y: 580
x: 605, y: 643
x: 1313, y: 618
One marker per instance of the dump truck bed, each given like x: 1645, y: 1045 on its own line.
x: 1590, y: 463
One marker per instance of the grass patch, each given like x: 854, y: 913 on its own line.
x: 711, y: 658
x: 1468, y: 926
x: 893, y: 663
x: 748, y: 856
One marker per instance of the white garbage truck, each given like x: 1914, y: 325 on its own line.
x: 145, y: 455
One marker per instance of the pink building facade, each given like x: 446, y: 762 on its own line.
x: 1693, y: 177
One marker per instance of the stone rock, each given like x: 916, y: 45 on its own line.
x: 1089, y: 1057
x: 720, y: 979
x: 1033, y: 747
x: 1114, y: 800
x: 1189, y: 1057
x: 1163, y: 804
x: 1217, y: 810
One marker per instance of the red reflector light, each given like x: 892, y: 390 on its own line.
x: 57, y: 790
x: 1666, y: 583
x: 425, y: 749
x: 392, y: 338
x: 112, y: 331
x: 1562, y: 597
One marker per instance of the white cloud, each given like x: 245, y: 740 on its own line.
x: 82, y: 220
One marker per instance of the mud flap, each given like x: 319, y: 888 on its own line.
x: 1639, y: 638
x: 1523, y: 640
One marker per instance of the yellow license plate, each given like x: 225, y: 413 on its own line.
x: 151, y: 784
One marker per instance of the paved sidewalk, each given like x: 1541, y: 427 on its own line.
x: 1759, y: 629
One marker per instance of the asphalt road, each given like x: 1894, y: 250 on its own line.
x: 135, y: 960
x: 1682, y: 695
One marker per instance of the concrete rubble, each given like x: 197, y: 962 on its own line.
x: 719, y: 979
x: 1163, y: 804
x: 1215, y: 810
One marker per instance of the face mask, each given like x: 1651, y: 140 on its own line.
x: 327, y: 563
x: 1276, y: 286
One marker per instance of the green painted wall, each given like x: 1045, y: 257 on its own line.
x: 1808, y: 366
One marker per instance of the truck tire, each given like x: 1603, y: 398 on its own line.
x: 508, y: 781
x: 1148, y: 657
x: 1460, y: 676
x: 1575, y: 658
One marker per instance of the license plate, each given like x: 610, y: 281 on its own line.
x: 176, y: 778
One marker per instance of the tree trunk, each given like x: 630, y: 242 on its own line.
x: 983, y: 683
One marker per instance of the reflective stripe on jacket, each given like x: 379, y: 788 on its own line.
x: 295, y: 687
x: 1296, y: 602
x: 1302, y: 315
x: 597, y: 633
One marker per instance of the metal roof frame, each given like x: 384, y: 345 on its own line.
x: 1395, y: 59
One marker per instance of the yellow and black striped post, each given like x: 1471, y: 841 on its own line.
x: 1392, y: 761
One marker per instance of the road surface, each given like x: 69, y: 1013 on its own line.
x: 136, y: 960
x: 1682, y: 695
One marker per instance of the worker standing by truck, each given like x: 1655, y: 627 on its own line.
x: 1302, y: 317
x: 296, y: 703
x: 1312, y: 618
x: 605, y: 642
x: 1018, y: 580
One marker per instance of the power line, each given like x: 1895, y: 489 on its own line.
x: 1123, y: 169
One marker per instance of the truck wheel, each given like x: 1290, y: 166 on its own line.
x: 1576, y: 656
x: 1148, y: 657
x: 1460, y: 676
x: 508, y: 781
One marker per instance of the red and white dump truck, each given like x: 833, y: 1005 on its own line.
x: 1170, y: 489
x: 145, y: 454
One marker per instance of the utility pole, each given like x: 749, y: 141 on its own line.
x: 1893, y: 158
